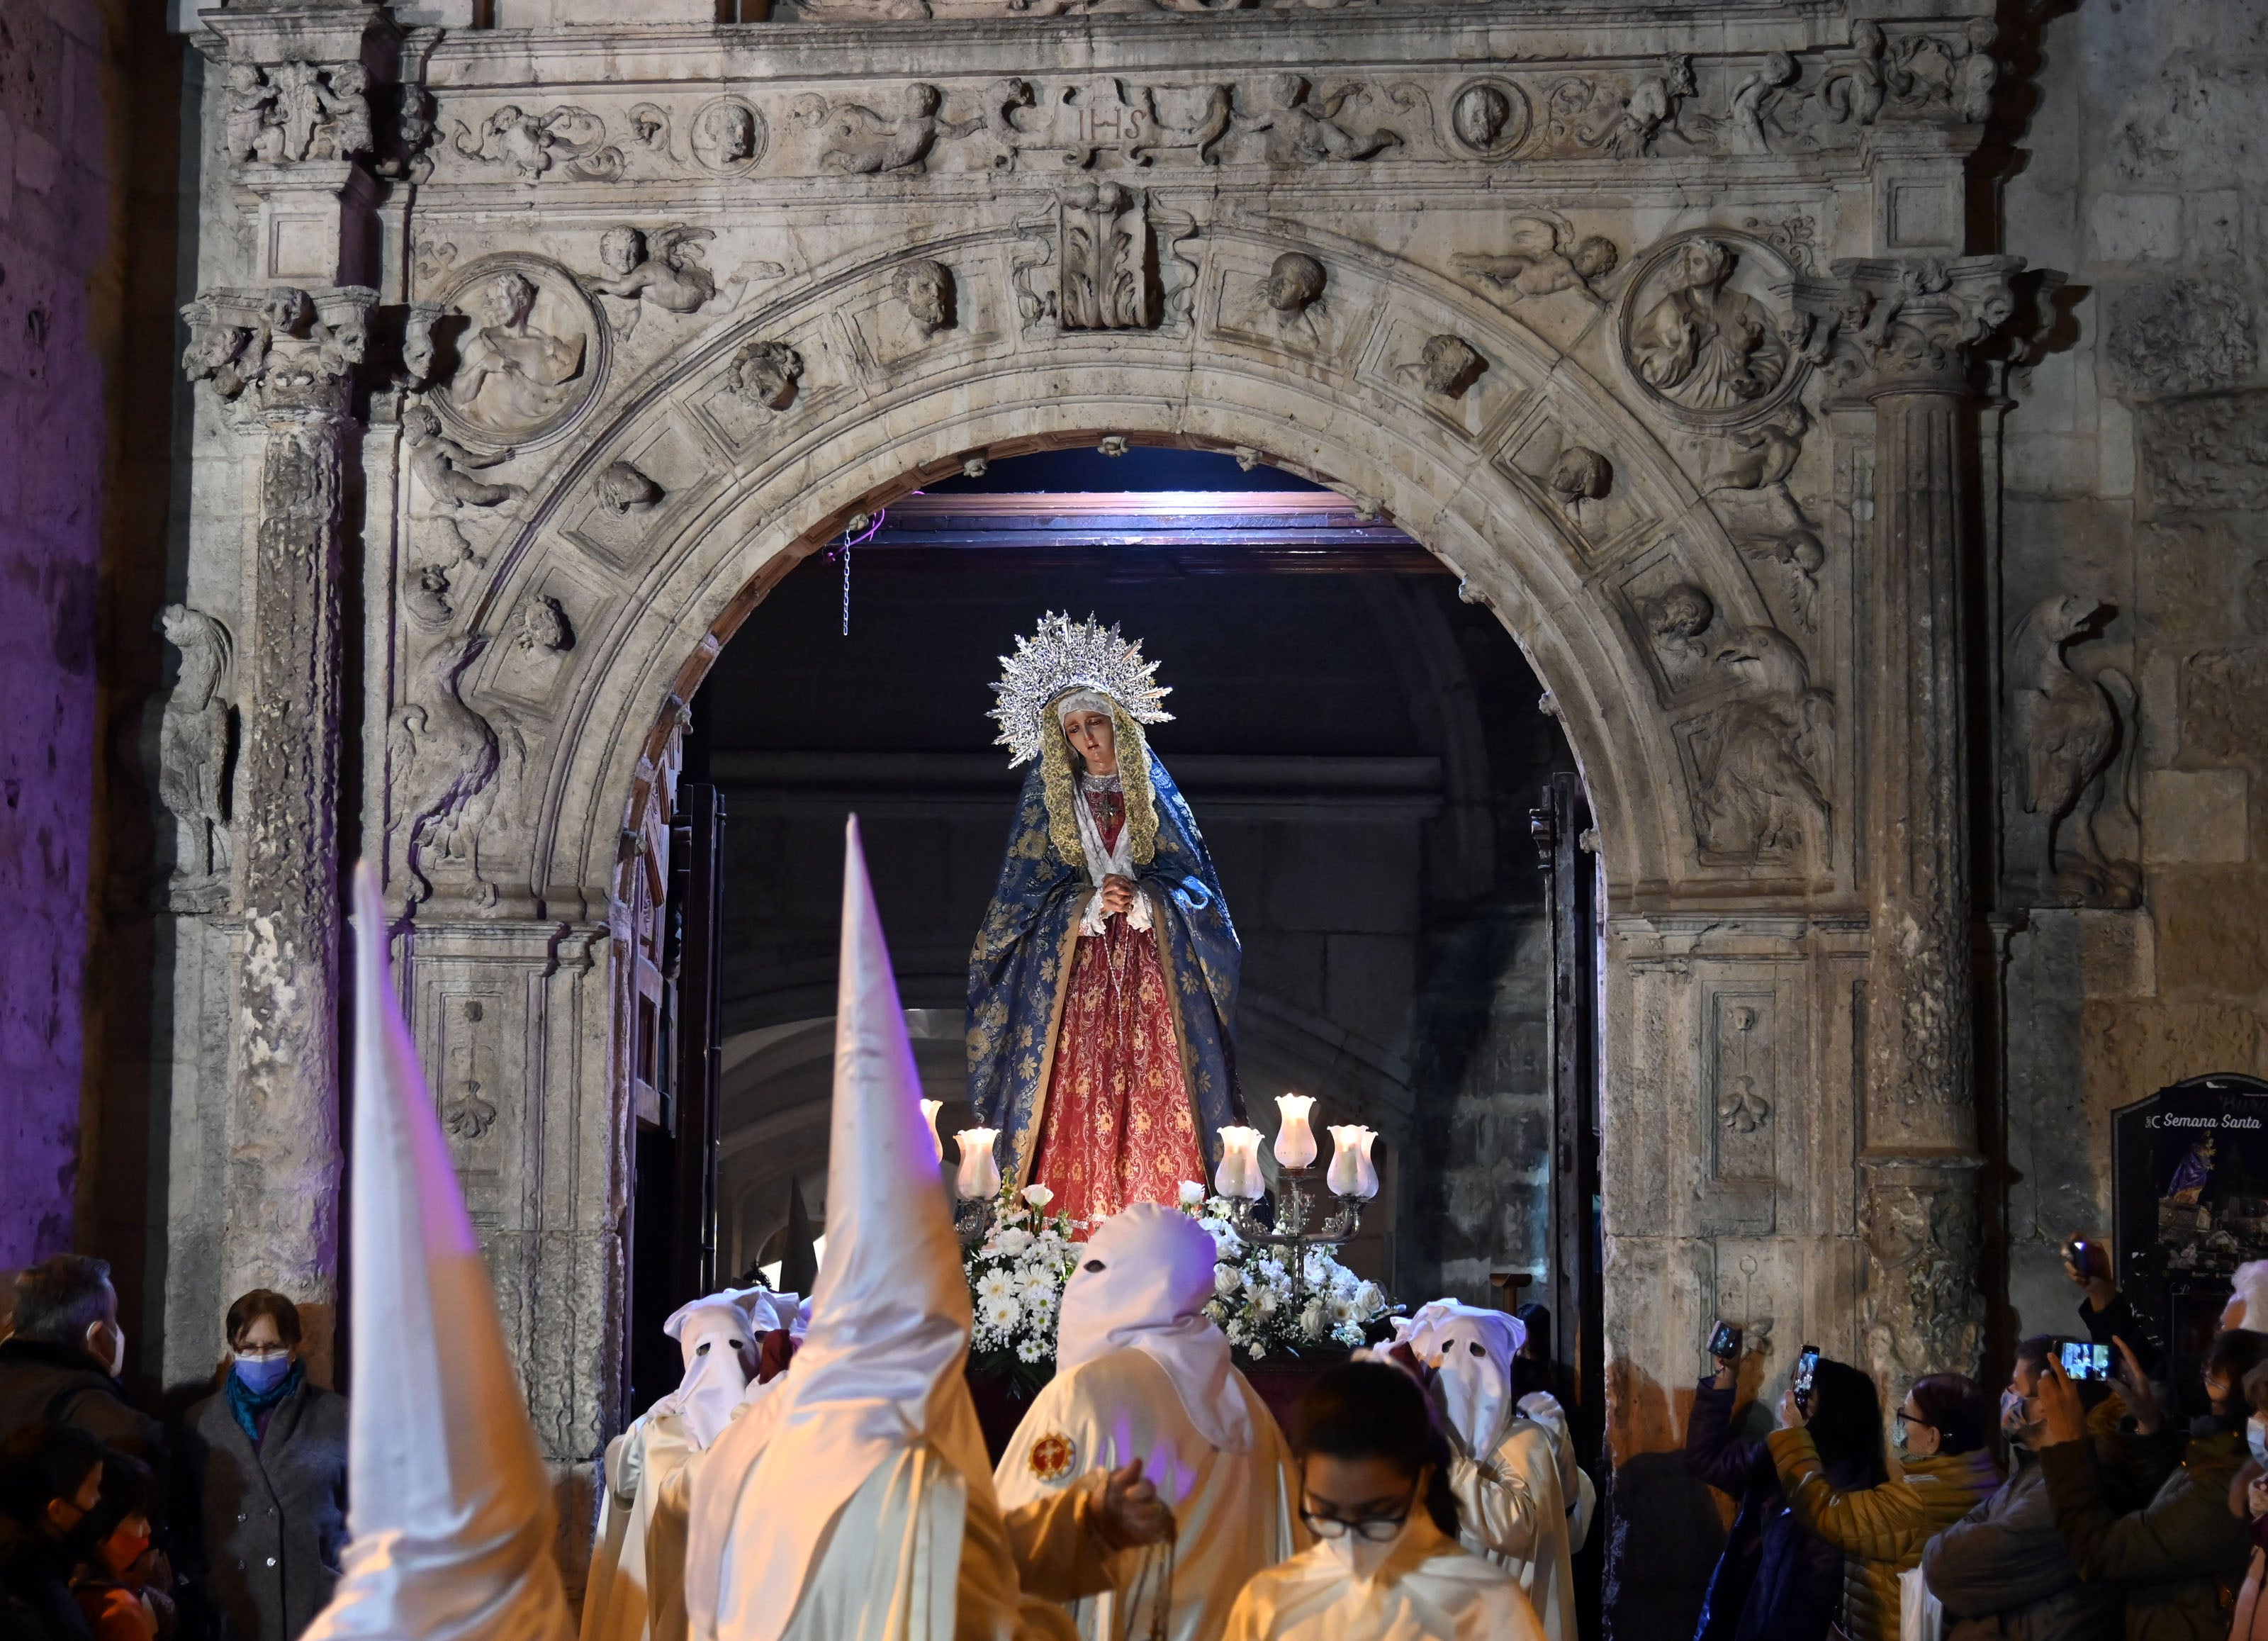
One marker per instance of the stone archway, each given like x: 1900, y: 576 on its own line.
x: 1701, y: 458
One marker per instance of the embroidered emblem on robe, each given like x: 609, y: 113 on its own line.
x: 1053, y: 1456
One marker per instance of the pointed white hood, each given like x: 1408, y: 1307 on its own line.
x: 881, y: 1369
x: 1156, y: 1275
x: 718, y: 1335
x: 450, y: 1519
x: 1470, y: 1350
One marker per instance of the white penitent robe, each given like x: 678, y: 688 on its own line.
x: 1426, y: 1589
x: 1514, y: 1514
x: 1233, y: 1512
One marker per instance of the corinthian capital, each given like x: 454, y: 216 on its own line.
x: 294, y: 351
x: 1882, y: 326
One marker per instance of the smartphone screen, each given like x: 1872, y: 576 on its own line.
x: 1724, y: 1342
x: 1806, y: 1366
x: 2085, y: 1361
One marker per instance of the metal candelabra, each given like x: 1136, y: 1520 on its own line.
x: 1296, y: 1227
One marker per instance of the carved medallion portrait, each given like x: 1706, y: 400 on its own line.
x: 525, y: 355
x: 1489, y: 118
x: 728, y: 137
x: 1704, y: 333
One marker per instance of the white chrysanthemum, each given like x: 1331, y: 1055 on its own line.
x: 1032, y: 1350
x: 1263, y: 1300
x: 1341, y: 1310
x: 1002, y: 1312
x: 996, y: 1283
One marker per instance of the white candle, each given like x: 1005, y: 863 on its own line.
x: 1239, y: 1174
x: 1344, y: 1175
x: 1295, y: 1141
x: 980, y: 1175
x: 930, y: 1108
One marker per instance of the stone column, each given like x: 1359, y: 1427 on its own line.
x: 1899, y: 336
x: 287, y: 357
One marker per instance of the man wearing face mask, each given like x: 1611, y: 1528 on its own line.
x: 2178, y: 1555
x: 1506, y: 1470
x: 62, y: 1362
x: 2003, y: 1569
x: 1144, y: 1382
x: 267, y: 1454
x: 50, y: 1482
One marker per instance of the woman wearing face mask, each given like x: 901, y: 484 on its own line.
x: 268, y: 1451
x: 1944, y: 1470
x: 2002, y: 1571
x: 2179, y: 1557
x: 113, y: 1583
x: 1386, y: 1561
x: 2248, y: 1502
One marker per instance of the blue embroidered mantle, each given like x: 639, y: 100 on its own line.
x: 1022, y: 959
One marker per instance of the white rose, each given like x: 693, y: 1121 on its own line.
x: 1226, y: 1280
x: 1038, y: 1196
x: 1193, y: 1195
x: 1014, y: 1241
x: 1369, y: 1299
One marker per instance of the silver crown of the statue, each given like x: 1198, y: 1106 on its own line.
x: 1062, y: 655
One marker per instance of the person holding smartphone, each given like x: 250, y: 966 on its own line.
x: 2104, y: 1311
x: 2180, y: 1553
x: 1773, y: 1581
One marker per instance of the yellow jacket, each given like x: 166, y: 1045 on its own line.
x: 1879, y: 1530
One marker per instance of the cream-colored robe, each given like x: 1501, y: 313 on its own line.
x: 645, y: 1465
x: 1514, y: 1514
x: 1427, y: 1589
x: 1233, y: 1512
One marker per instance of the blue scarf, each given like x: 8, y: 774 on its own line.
x: 247, y: 1404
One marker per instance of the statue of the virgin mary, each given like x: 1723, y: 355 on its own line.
x: 1102, y: 986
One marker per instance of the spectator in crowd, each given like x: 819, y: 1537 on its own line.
x: 2106, y: 1312
x: 50, y: 1482
x: 116, y: 1585
x: 1773, y: 1581
x: 62, y: 1362
x: 1386, y: 1562
x: 2003, y: 1570
x: 268, y: 1450
x: 1945, y: 1471
x: 2179, y: 1557
x: 2248, y: 1502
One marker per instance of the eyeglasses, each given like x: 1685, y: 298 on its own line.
x: 1915, y: 1418
x: 1375, y: 1529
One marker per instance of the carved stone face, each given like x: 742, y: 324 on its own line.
x: 506, y: 300
x: 926, y: 289
x: 1682, y: 614
x: 420, y: 425
x: 622, y: 249
x: 1703, y: 265
x: 766, y: 373
x: 725, y: 135
x: 1595, y: 256
x: 921, y: 101
x: 1450, y: 363
x: 1481, y: 115
x: 1294, y: 281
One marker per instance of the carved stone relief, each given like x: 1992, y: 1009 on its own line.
x: 196, y: 746
x: 1702, y: 347
x: 857, y: 141
x: 1447, y: 366
x: 544, y: 628
x: 291, y: 112
x: 728, y: 134
x: 527, y: 352
x: 1760, y: 758
x: 1303, y: 126
x: 443, y: 468
x: 1107, y: 266
x: 1294, y: 285
x: 448, y: 765
x: 571, y: 139
x: 623, y: 489
x: 1545, y: 255
x: 1581, y: 478
x: 661, y: 266
x: 1743, y: 1094
x: 925, y: 289
x: 1489, y: 118
x: 2075, y: 771
x: 1621, y: 117
x: 2180, y: 336
x: 767, y: 374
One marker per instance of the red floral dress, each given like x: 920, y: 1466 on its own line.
x: 1118, y: 1128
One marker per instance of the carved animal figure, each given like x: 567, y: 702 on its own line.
x: 522, y: 140
x: 1853, y: 89
x: 1306, y: 125
x: 1764, y: 456
x: 663, y: 267
x: 1756, y: 753
x: 193, y: 739
x: 2068, y: 726
x: 446, y: 757
x: 443, y: 466
x: 862, y: 143
x: 1546, y: 256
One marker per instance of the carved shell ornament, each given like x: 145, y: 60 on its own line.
x: 1705, y: 327
x: 520, y: 352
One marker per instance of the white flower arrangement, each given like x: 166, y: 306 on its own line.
x: 1252, y: 1291
x: 1015, y: 1283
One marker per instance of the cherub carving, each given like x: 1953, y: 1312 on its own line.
x: 1304, y: 125
x: 766, y: 374
x: 522, y: 141
x: 344, y: 98
x: 1851, y: 90
x: 544, y: 627
x: 1677, y: 618
x: 623, y: 489
x: 1580, y: 479
x: 861, y: 143
x: 1294, y: 285
x: 1653, y: 105
x: 1446, y: 365
x: 444, y: 467
x: 252, y: 132
x: 662, y: 267
x: 1751, y: 104
x: 1764, y: 455
x: 1546, y: 256
x: 1800, y: 553
x: 926, y: 289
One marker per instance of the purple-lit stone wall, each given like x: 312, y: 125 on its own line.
x: 53, y: 247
